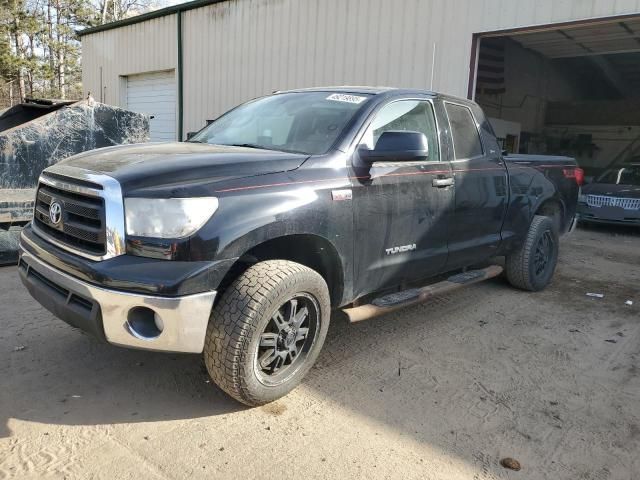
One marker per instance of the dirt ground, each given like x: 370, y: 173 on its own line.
x: 443, y: 390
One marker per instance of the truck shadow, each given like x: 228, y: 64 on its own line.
x: 53, y: 374
x: 102, y: 385
x: 58, y: 375
x: 63, y: 377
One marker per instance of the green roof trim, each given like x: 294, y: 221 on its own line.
x: 181, y: 7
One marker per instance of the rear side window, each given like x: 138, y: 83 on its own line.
x: 466, y: 140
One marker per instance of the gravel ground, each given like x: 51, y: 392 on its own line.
x: 442, y: 390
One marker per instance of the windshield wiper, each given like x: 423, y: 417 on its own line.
x: 247, y: 145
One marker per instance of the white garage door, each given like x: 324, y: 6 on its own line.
x: 155, y: 95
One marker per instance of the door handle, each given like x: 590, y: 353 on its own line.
x: 442, y: 182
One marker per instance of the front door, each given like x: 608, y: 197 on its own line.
x: 402, y: 208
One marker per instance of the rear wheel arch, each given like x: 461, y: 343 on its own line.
x: 554, y: 209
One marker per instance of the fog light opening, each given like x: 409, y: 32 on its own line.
x: 144, y: 323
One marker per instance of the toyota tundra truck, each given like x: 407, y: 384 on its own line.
x: 240, y: 242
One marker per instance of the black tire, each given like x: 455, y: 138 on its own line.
x: 531, y: 267
x: 255, y: 321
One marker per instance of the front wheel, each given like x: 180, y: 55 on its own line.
x: 267, y: 330
x: 531, y: 266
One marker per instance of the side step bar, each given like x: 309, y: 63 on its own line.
x: 396, y: 301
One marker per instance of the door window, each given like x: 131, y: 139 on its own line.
x: 466, y: 140
x: 408, y: 115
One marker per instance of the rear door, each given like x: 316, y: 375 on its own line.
x: 481, y: 189
x: 401, y: 216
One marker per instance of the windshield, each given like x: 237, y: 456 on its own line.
x: 308, y: 122
x: 627, y: 175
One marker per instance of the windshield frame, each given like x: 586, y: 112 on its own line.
x: 339, y: 139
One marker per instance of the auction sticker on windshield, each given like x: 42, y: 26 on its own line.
x: 341, y: 97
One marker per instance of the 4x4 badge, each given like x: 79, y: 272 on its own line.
x: 341, y: 195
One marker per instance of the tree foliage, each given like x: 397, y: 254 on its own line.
x: 39, y: 48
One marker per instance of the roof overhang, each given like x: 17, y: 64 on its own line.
x: 163, y: 12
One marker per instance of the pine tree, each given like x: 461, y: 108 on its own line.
x: 39, y: 48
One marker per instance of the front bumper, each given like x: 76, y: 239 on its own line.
x: 150, y: 322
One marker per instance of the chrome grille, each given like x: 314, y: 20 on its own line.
x: 92, y: 223
x: 606, y: 201
x: 82, y: 225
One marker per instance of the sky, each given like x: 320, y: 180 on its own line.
x: 168, y: 3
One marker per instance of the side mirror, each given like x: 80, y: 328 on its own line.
x: 397, y: 146
x: 190, y: 135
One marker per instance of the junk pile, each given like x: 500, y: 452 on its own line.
x: 39, y: 133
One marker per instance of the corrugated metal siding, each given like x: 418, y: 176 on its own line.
x: 140, y: 48
x: 240, y: 49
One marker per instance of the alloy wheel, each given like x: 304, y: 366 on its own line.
x: 287, y: 338
x: 544, y: 253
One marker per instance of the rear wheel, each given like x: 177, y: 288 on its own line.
x: 531, y: 267
x: 267, y: 330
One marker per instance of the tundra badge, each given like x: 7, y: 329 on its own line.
x: 402, y: 249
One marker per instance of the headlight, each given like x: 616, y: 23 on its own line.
x: 582, y: 198
x: 167, y: 218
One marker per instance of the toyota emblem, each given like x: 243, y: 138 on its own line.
x: 55, y: 213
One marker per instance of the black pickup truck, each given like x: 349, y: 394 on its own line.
x: 241, y: 241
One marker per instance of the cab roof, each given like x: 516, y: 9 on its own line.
x: 350, y: 89
x: 367, y: 90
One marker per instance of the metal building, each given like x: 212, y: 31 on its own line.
x: 520, y: 59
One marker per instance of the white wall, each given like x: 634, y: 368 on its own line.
x: 113, y: 54
x: 240, y: 49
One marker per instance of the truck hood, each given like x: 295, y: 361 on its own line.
x: 613, y: 190
x: 152, y: 166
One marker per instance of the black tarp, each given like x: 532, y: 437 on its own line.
x: 27, y: 149
x: 36, y: 134
x: 29, y: 110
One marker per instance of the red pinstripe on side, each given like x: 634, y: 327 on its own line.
x: 427, y: 172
